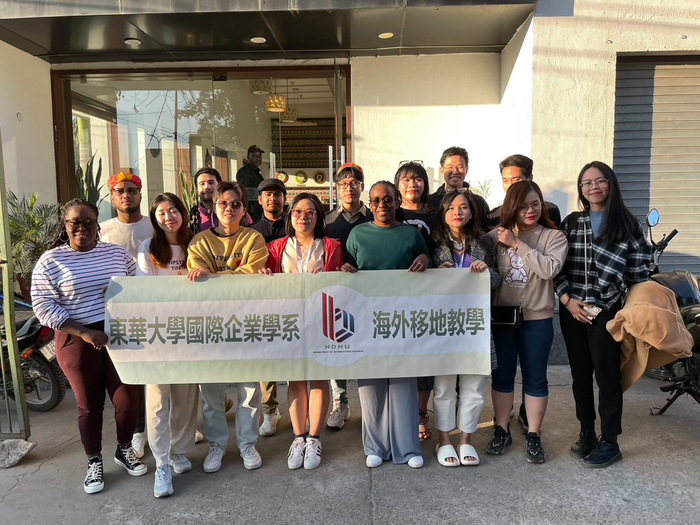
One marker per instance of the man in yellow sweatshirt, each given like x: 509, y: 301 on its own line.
x: 229, y: 249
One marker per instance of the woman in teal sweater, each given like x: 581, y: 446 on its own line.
x: 389, y: 406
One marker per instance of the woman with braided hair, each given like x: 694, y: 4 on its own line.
x: 68, y: 292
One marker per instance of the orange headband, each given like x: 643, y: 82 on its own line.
x: 122, y: 177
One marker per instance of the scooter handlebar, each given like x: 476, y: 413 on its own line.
x: 662, y: 245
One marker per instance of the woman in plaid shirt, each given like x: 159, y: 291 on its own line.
x: 607, y: 253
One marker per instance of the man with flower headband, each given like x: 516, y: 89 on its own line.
x: 351, y: 211
x: 128, y: 230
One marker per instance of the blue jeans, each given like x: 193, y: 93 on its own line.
x: 531, y: 343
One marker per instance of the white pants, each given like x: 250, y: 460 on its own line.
x: 171, y: 412
x: 467, y: 406
x: 215, y: 427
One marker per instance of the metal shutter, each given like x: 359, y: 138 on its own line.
x: 657, y: 150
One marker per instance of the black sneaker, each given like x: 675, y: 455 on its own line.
x: 605, y: 454
x: 535, y: 452
x: 584, y: 446
x: 522, y: 418
x: 126, y: 457
x: 94, y: 480
x: 499, y: 442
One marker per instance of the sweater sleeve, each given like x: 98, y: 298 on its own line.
x: 351, y: 249
x: 255, y: 255
x: 489, y: 257
x: 638, y: 257
x: 548, y: 263
x: 198, y: 255
x: 45, y: 297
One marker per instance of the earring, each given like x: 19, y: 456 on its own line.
x: 61, y: 236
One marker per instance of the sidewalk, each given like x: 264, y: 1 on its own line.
x: 657, y: 481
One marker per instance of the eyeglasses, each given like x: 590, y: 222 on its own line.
x: 388, y: 201
x: 404, y: 162
x: 306, y: 213
x: 128, y: 191
x: 598, y: 183
x: 74, y: 224
x: 234, y: 205
x: 534, y: 205
x: 354, y: 184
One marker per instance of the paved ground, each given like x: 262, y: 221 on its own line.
x: 658, y: 480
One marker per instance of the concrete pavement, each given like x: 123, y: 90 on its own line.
x: 657, y: 481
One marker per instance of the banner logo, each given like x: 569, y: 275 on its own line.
x: 338, y: 325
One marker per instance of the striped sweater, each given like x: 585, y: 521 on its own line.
x: 67, y: 284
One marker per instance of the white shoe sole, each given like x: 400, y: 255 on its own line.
x: 163, y: 494
x: 179, y: 470
x: 94, y: 489
x: 135, y: 473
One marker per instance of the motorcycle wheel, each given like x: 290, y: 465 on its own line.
x: 45, y: 387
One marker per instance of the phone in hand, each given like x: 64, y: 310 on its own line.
x: 592, y: 310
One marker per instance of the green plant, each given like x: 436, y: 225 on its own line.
x: 482, y: 187
x: 88, y: 184
x: 32, y: 227
x: 189, y: 191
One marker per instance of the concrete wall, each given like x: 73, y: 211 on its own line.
x: 412, y: 108
x: 26, y: 123
x: 574, y: 77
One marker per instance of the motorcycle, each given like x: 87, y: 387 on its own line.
x: 683, y: 375
x: 44, y: 382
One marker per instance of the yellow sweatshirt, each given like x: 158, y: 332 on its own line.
x: 243, y: 252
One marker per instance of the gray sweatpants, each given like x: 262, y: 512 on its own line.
x: 390, y: 418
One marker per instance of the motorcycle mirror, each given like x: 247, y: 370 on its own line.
x: 653, y: 217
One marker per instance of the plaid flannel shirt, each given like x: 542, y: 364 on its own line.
x: 611, y: 266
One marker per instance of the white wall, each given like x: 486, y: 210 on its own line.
x: 26, y: 122
x: 574, y: 77
x: 413, y: 108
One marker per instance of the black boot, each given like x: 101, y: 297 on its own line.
x: 605, y: 454
x: 586, y: 442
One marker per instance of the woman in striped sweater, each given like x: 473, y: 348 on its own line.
x: 68, y: 290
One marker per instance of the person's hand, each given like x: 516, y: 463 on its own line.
x: 478, y: 266
x: 196, y: 273
x: 576, y: 310
x: 446, y: 265
x: 420, y: 264
x: 507, y: 237
x: 265, y: 271
x: 348, y: 268
x: 96, y: 338
x: 318, y: 269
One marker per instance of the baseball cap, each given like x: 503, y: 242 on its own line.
x: 272, y: 184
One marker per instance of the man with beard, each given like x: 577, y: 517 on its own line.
x: 128, y: 230
x: 249, y: 177
x: 454, y: 165
x: 202, y: 216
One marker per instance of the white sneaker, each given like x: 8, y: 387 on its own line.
x: 198, y: 436
x: 251, y: 458
x: 163, y: 485
x: 269, y: 424
x: 295, y: 459
x: 138, y: 443
x: 338, y: 417
x: 180, y: 463
x: 373, y: 461
x: 415, y: 462
x: 212, y: 462
x: 312, y: 453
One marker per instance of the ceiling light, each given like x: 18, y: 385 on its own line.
x: 258, y: 40
x: 134, y: 42
x: 276, y: 103
x: 289, y: 116
x: 385, y: 36
x: 261, y: 86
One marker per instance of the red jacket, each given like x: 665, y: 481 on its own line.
x: 333, y: 254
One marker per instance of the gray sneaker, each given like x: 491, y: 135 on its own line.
x: 212, y: 462
x: 269, y: 424
x: 338, y: 417
x: 163, y: 485
x: 251, y: 458
x: 180, y: 463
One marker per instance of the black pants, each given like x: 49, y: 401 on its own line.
x: 592, y: 350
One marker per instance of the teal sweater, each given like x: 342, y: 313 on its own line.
x: 370, y: 247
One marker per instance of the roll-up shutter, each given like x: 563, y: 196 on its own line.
x: 657, y: 150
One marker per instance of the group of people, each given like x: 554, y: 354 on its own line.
x: 586, y: 263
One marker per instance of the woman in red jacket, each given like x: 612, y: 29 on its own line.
x: 305, y: 249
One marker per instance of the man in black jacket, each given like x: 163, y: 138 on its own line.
x: 454, y: 165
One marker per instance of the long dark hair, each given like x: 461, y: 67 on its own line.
x: 61, y: 236
x: 415, y: 169
x: 160, y: 251
x: 470, y: 231
x: 515, y: 197
x: 319, y: 229
x: 398, y: 214
x: 619, y: 223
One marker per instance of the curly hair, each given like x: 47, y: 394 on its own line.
x: 58, y: 238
